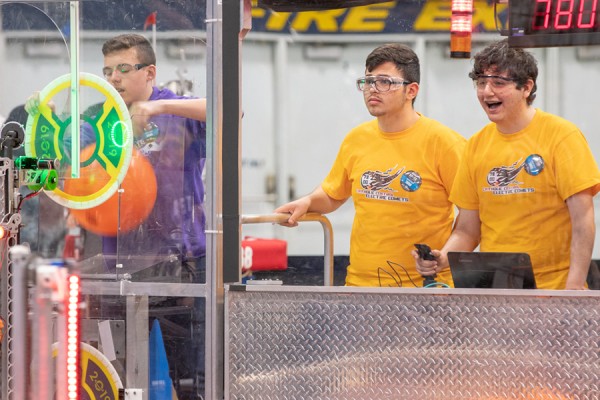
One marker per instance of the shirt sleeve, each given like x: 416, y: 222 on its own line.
x: 337, y: 183
x: 576, y: 168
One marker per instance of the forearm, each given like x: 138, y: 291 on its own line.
x: 583, y: 233
x: 582, y: 245
x: 318, y: 201
x: 322, y: 203
x: 187, y: 108
x: 464, y: 237
x: 460, y: 241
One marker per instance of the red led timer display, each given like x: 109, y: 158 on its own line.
x: 546, y: 23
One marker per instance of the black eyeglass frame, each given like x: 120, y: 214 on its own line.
x: 374, y: 81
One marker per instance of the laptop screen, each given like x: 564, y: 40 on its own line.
x: 491, y: 270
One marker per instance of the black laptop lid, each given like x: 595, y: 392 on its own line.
x: 491, y: 270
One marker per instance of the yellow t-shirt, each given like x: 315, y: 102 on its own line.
x: 519, y: 182
x: 399, y: 183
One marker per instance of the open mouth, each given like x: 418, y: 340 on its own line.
x: 494, y: 105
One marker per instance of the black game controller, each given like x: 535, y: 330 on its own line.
x: 426, y: 254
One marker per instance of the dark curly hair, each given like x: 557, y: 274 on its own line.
x: 518, y: 63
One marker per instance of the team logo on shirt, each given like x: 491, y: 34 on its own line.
x: 377, y: 180
x: 503, y: 180
x: 376, y: 184
x: 147, y: 142
x: 534, y: 164
x: 504, y: 175
x: 411, y: 181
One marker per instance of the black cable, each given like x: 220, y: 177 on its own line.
x: 405, y: 271
x: 398, y: 280
x: 399, y: 284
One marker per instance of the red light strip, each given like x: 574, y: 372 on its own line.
x: 73, y: 331
x: 462, y: 16
x: 462, y: 6
x: 461, y: 23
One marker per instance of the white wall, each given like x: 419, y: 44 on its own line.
x: 319, y: 104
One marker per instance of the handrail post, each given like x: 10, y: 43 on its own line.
x: 327, y: 235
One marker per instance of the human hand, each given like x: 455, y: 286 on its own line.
x: 33, y: 106
x: 297, y: 209
x: 430, y: 267
x: 140, y: 112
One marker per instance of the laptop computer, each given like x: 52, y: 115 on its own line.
x: 494, y: 270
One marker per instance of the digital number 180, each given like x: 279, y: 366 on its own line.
x: 564, y: 14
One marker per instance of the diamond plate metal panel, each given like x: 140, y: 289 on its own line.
x: 298, y: 345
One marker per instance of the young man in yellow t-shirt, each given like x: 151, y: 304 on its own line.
x: 526, y: 180
x: 398, y: 169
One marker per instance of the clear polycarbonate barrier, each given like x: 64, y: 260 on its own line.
x: 126, y: 203
x: 136, y: 201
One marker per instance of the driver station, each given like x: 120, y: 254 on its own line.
x: 103, y: 295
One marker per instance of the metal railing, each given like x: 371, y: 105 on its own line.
x: 327, y: 235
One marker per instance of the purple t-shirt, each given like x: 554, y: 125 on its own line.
x: 176, y: 148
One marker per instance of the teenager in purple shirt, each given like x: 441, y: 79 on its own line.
x: 170, y: 131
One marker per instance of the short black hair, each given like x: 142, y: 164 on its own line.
x: 401, y: 55
x: 518, y: 63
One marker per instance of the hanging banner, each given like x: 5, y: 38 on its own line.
x: 426, y: 16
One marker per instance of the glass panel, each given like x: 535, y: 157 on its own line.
x: 135, y: 212
x: 157, y: 216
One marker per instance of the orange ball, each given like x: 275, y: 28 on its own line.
x: 138, y: 194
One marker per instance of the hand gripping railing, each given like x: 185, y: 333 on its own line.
x: 327, y: 235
